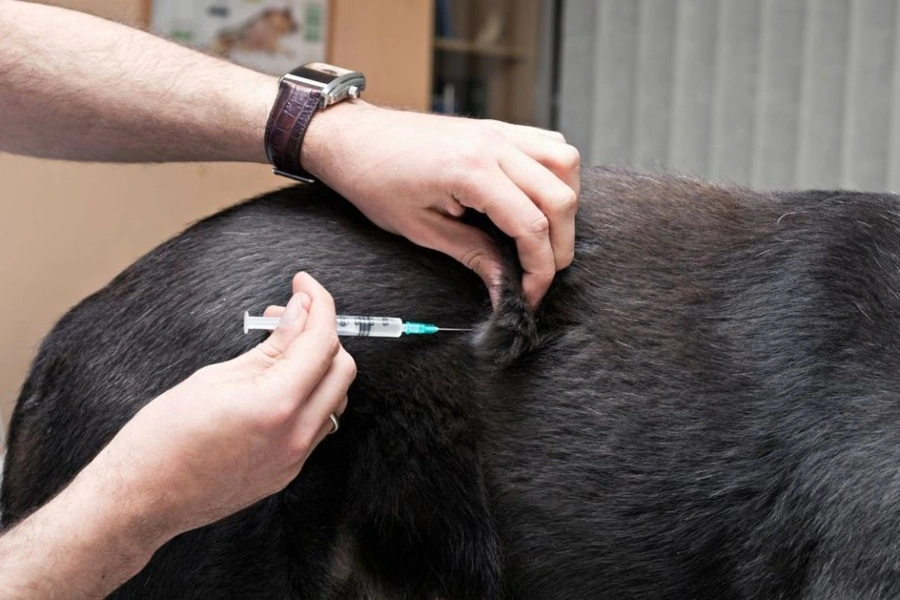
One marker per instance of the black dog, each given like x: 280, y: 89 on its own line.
x: 706, y: 405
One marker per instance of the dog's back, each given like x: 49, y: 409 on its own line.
x: 705, y: 406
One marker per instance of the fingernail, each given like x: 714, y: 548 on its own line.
x: 293, y: 310
x: 305, y: 300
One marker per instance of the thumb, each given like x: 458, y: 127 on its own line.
x: 469, y: 245
x: 293, y: 322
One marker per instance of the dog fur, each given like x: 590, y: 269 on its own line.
x: 706, y: 404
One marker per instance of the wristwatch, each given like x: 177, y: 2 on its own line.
x: 308, y: 88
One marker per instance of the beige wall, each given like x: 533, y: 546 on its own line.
x: 66, y: 229
x: 390, y: 41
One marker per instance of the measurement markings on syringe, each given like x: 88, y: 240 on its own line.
x: 365, y: 325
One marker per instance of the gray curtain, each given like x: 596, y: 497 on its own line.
x: 768, y: 93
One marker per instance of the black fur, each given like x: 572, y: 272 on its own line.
x: 707, y: 404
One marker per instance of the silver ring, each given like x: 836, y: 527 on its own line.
x: 335, y: 422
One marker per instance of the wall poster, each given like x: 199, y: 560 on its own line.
x: 272, y: 36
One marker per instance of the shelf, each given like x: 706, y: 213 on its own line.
x: 467, y: 47
x: 485, y: 56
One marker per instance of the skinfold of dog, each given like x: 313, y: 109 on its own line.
x: 705, y: 405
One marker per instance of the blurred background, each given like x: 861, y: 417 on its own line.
x: 768, y: 93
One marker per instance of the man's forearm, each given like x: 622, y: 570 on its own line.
x: 83, y: 544
x: 79, y: 87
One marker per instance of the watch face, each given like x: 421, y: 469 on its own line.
x: 320, y: 72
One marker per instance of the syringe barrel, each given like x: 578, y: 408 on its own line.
x: 348, y: 325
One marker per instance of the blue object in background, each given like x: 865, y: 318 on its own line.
x: 443, y: 20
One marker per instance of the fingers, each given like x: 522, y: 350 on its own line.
x: 328, y: 427
x: 548, y: 148
x: 556, y: 200
x: 301, y: 281
x: 495, y: 194
x: 511, y: 128
x: 321, y: 313
x: 268, y: 352
x: 273, y: 311
x: 470, y: 246
x: 310, y: 354
x: 330, y: 397
x: 312, y: 378
x: 561, y: 159
x: 293, y: 321
x: 541, y: 217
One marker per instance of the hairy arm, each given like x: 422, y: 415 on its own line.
x: 125, y: 96
x: 83, y: 544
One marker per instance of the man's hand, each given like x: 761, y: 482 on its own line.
x: 415, y: 174
x: 227, y: 436
x: 238, y: 431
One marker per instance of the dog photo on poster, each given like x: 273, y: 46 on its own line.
x: 272, y: 36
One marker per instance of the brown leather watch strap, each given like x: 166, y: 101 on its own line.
x: 294, y: 108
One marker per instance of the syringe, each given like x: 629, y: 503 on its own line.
x: 357, y: 326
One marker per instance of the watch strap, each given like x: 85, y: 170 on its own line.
x: 293, y: 110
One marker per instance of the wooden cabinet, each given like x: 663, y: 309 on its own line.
x: 389, y: 41
x: 485, y: 58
